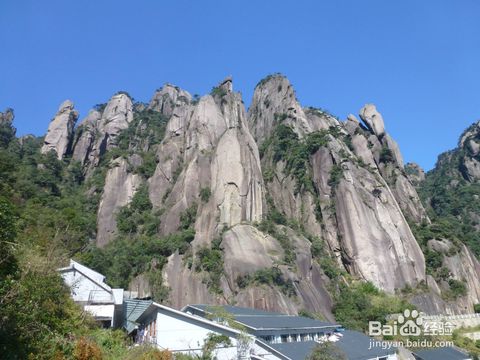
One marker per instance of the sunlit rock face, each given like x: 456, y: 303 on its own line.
x: 60, y: 130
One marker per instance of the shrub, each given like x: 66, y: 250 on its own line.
x: 386, y: 155
x: 358, y: 303
x: 269, y: 276
x: 285, y: 145
x: 205, y: 194
x: 327, y: 351
x: 218, y: 91
x: 211, y: 261
x: 149, y: 164
x: 457, y: 288
x: 269, y: 227
x: 476, y: 308
x: 188, y: 217
x: 336, y: 174
x: 87, y: 350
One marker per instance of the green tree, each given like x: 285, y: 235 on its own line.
x: 7, y: 239
x: 327, y: 351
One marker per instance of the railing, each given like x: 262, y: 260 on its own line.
x: 100, y: 297
x: 451, y: 317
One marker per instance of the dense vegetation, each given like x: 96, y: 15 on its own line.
x: 448, y: 195
x: 284, y: 144
x: 360, y: 302
x: 44, y: 218
x: 270, y: 276
x: 47, y: 216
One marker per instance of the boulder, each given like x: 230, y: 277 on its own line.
x: 373, y: 119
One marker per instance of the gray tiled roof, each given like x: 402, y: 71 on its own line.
x: 446, y: 353
x: 265, y: 320
x: 357, y: 346
x: 353, y: 344
x: 236, y: 310
x: 295, y: 350
x: 282, y: 322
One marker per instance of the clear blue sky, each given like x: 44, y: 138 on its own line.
x: 418, y: 61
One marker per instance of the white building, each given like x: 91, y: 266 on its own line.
x: 88, y: 288
x: 178, y: 331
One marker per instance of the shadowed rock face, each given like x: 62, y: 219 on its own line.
x: 85, y: 136
x: 60, y: 130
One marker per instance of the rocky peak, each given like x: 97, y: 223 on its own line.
x: 7, y: 116
x: 60, y: 130
x: 85, y: 136
x: 414, y: 173
x: 227, y: 84
x: 167, y: 98
x: 373, y: 119
x: 274, y: 102
x: 470, y: 161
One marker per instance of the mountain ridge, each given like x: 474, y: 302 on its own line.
x: 277, y: 205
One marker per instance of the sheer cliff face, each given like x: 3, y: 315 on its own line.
x: 360, y: 217
x: 347, y: 186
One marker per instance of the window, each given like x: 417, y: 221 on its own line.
x: 268, y: 338
x: 284, y: 338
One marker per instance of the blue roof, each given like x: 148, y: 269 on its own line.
x: 353, y: 344
x: 266, y: 322
x: 357, y: 346
x: 282, y: 322
x: 235, y: 310
x: 133, y: 309
x: 295, y: 350
x: 445, y: 353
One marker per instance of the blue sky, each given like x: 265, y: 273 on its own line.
x: 418, y: 61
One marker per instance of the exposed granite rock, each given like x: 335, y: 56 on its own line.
x: 98, y: 135
x: 115, y: 118
x: 120, y: 186
x: 85, y: 137
x: 366, y: 216
x: 274, y: 101
x: 414, y: 173
x: 60, y: 130
x: 470, y: 142
x: 373, y: 119
x: 381, y: 152
x: 209, y: 146
x: 166, y: 99
x: 7, y: 116
x: 463, y: 266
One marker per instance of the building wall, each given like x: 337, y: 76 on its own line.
x: 81, y: 287
x: 187, y: 336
